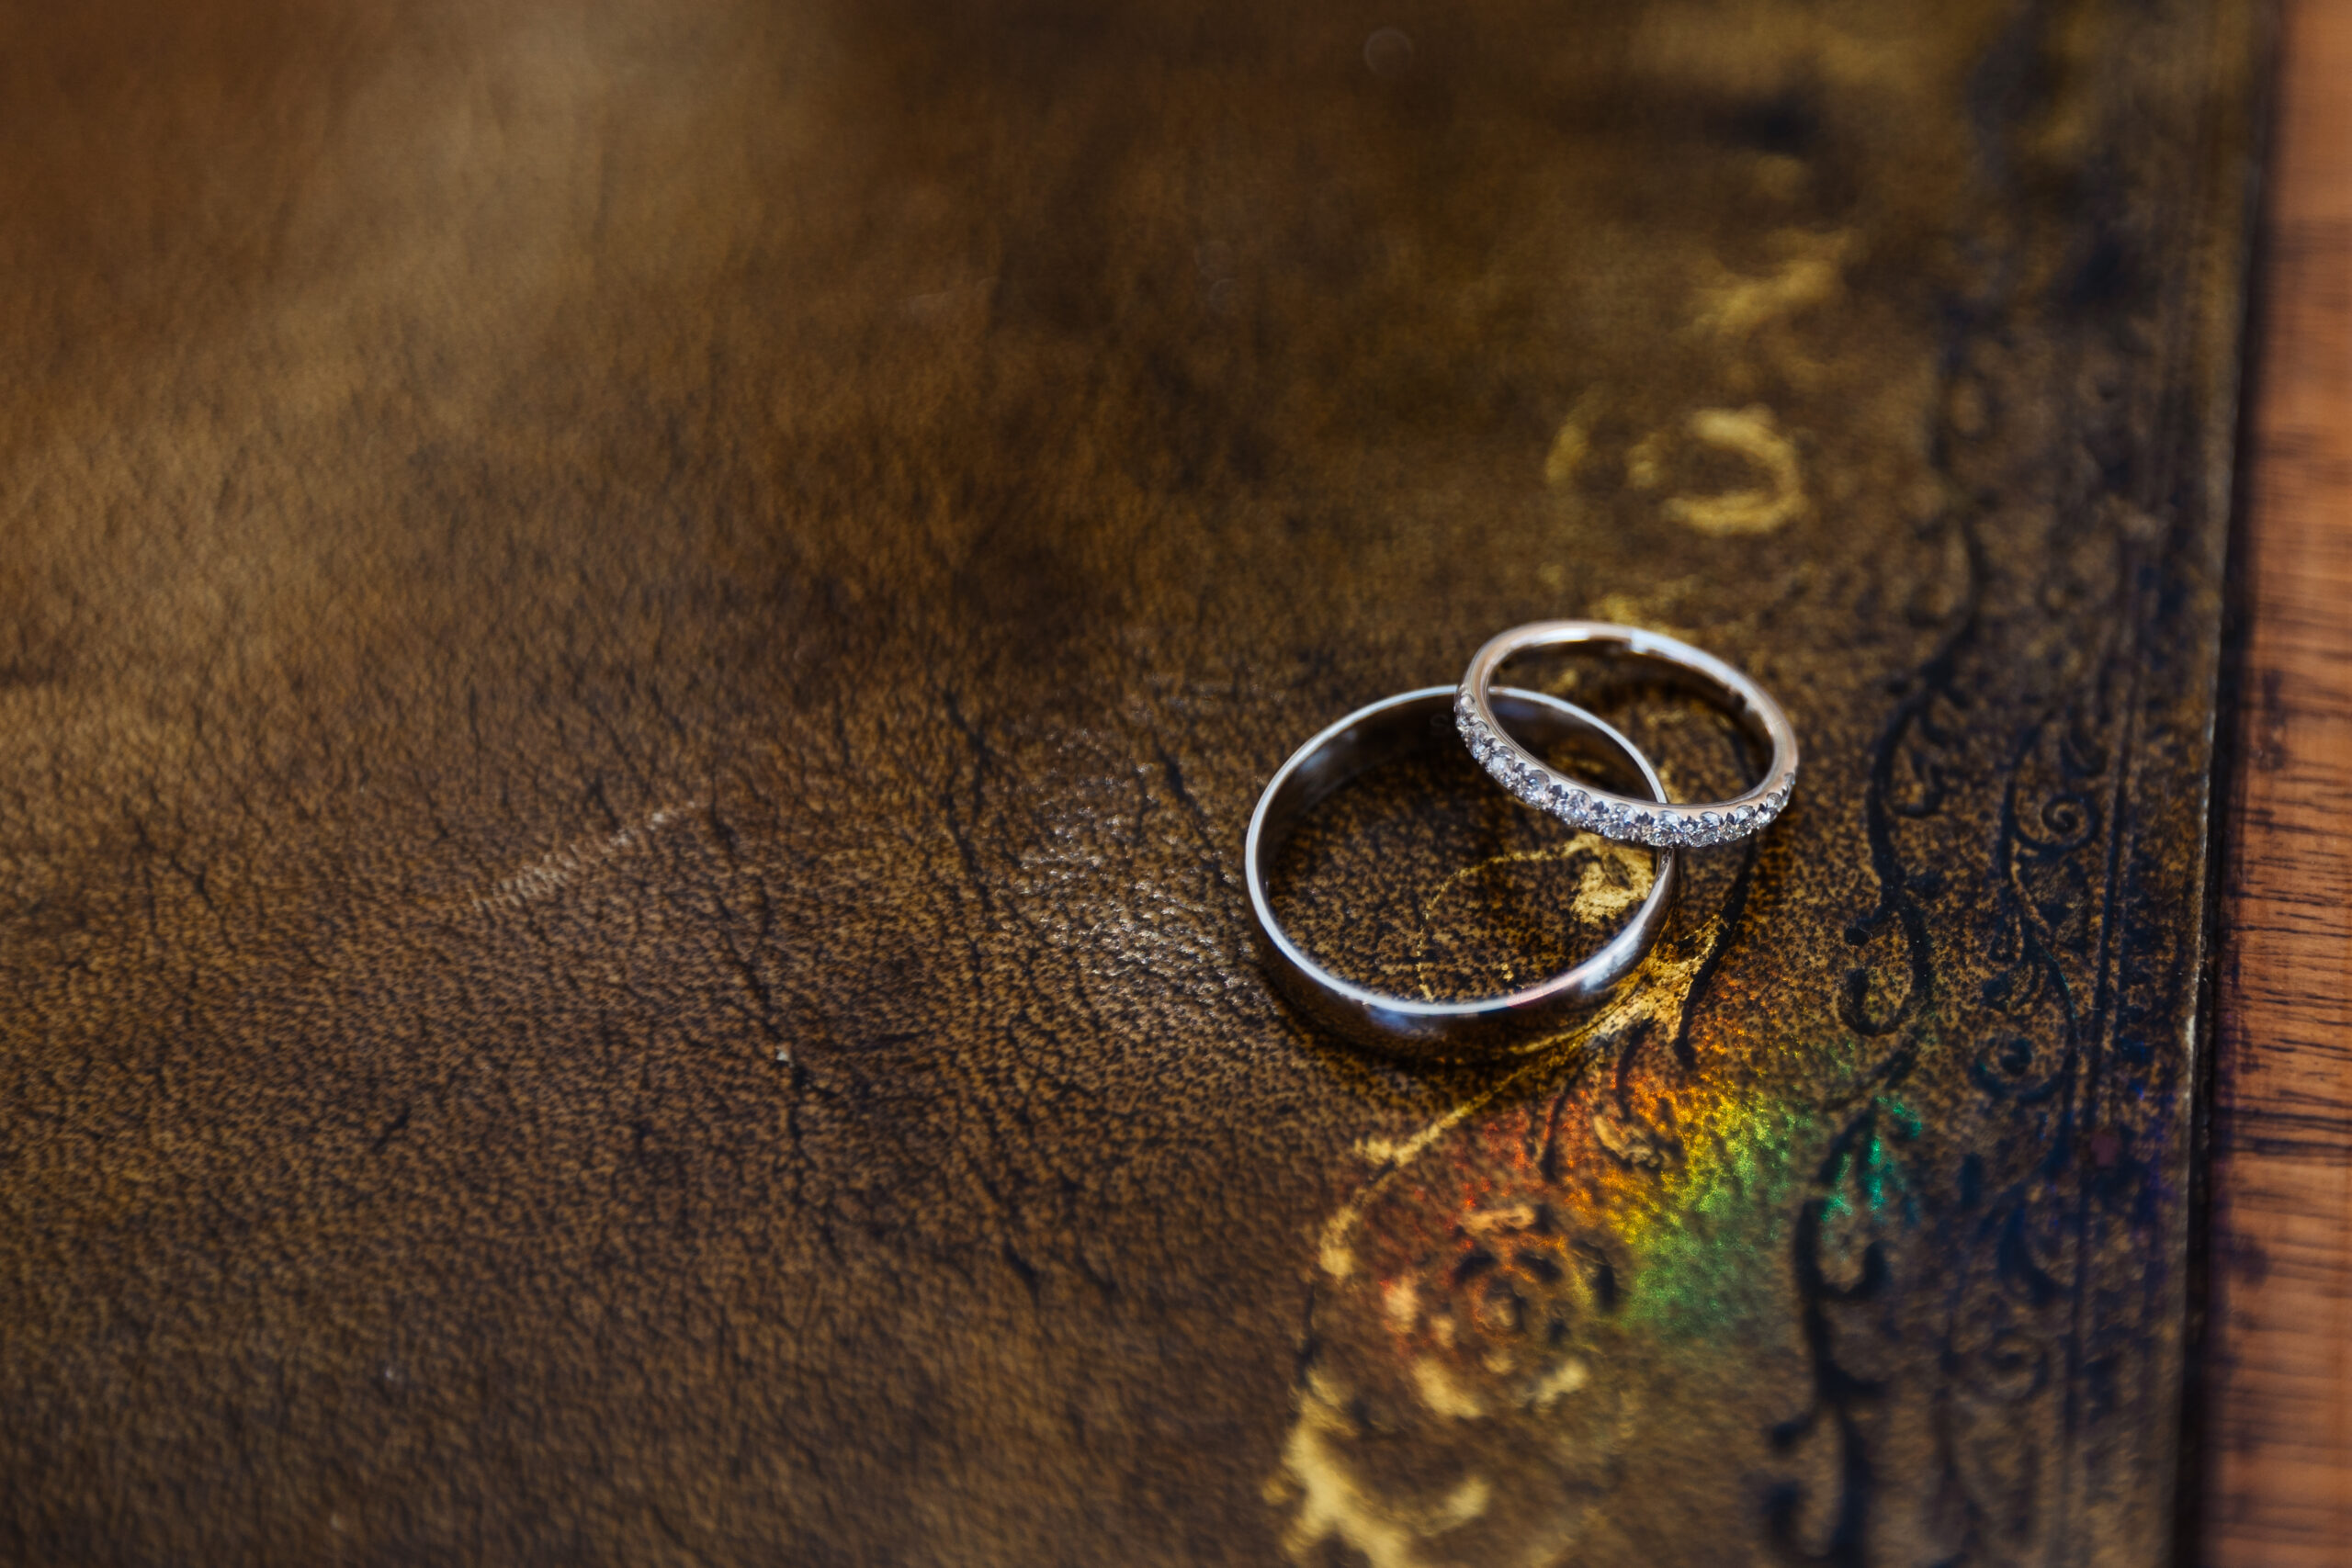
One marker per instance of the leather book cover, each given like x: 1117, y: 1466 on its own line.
x: 638, y: 641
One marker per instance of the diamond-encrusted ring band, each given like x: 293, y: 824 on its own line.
x: 1483, y: 1026
x: 1619, y: 816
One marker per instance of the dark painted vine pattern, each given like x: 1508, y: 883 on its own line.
x: 2005, y: 1244
x: 1996, y: 1232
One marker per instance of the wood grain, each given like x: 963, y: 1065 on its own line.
x: 2281, y: 1456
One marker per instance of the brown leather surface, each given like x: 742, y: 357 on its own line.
x: 638, y: 639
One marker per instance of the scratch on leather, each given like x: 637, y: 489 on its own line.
x: 553, y: 872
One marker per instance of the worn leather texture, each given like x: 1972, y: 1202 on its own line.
x: 635, y: 644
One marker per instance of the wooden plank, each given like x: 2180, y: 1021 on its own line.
x: 2280, y: 1377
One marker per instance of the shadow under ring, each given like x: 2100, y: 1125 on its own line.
x: 1440, y: 1030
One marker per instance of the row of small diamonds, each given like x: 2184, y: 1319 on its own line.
x: 1546, y: 791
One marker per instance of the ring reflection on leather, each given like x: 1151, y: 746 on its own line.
x: 1619, y: 816
x: 1439, y: 1030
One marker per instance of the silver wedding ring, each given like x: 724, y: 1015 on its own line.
x: 1415, y: 1027
x: 1659, y: 823
x: 1486, y: 716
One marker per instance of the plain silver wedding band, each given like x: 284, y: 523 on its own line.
x: 1485, y: 1026
x: 1620, y: 816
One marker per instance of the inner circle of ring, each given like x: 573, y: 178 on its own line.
x: 1359, y: 1009
x: 1660, y: 823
